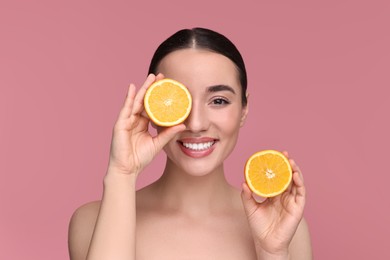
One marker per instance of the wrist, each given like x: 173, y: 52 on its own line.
x: 117, y: 178
x: 264, y: 255
x: 115, y: 169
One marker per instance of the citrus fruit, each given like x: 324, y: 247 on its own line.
x: 268, y: 173
x: 167, y: 102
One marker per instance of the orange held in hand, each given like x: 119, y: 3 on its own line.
x: 167, y: 102
x: 268, y: 173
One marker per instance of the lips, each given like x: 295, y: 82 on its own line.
x: 197, y: 147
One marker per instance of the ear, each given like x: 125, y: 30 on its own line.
x: 245, y: 111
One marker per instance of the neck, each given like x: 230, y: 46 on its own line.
x: 193, y: 195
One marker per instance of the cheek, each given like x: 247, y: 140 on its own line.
x: 229, y: 122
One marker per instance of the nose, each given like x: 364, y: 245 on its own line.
x: 198, y: 120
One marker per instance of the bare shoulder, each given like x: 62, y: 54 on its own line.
x: 300, y: 246
x: 81, y: 227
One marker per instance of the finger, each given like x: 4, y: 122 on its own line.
x: 160, y: 76
x: 144, y: 114
x: 139, y: 98
x: 298, y: 180
x: 295, y: 167
x: 299, y: 188
x: 290, y: 186
x: 293, y: 164
x: 250, y: 204
x: 293, y: 186
x: 143, y: 122
x: 128, y: 104
x: 167, y: 134
x: 295, y: 170
x: 285, y: 153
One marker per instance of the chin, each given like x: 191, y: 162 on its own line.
x: 198, y: 171
x: 195, y: 167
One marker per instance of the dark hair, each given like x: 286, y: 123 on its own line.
x: 204, y: 39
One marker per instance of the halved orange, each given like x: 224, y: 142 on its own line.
x: 268, y: 173
x: 167, y: 102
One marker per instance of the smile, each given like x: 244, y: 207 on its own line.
x: 198, y: 146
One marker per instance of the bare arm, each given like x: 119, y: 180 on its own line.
x: 100, y: 229
x: 132, y: 148
x: 114, y: 233
x: 300, y: 246
x: 81, y: 228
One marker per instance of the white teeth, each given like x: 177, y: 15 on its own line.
x: 198, y: 146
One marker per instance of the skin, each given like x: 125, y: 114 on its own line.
x: 191, y: 211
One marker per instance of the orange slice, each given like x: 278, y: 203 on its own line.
x: 167, y: 102
x: 268, y: 173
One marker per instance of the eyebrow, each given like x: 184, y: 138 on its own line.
x: 217, y: 88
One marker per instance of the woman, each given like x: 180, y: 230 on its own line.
x: 191, y: 212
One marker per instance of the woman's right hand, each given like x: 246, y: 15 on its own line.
x: 132, y: 146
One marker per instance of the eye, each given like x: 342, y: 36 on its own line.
x: 219, y: 101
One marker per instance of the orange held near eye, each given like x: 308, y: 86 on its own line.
x: 268, y: 173
x: 167, y: 102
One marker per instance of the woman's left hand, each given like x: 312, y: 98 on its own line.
x: 274, y: 221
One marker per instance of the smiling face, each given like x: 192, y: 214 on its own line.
x: 217, y: 111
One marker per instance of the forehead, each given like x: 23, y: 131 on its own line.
x: 198, y: 68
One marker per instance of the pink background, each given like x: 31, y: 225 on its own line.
x: 319, y: 88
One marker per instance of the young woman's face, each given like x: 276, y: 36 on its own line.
x: 217, y: 112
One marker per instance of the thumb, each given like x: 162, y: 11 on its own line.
x: 167, y: 134
x: 250, y: 204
